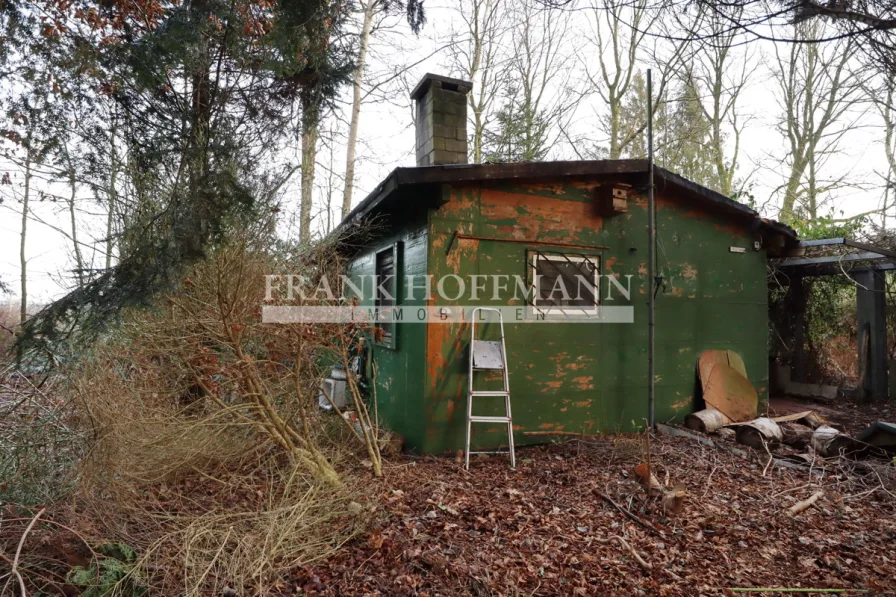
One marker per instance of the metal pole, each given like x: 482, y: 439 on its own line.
x: 651, y: 260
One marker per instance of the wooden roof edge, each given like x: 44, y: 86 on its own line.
x: 466, y: 173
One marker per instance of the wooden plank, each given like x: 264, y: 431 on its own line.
x: 826, y: 259
x: 674, y: 431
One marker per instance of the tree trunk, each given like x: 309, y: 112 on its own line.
x: 796, y: 435
x: 113, y: 198
x: 706, y: 421
x: 197, y: 231
x: 759, y: 433
x: 786, y: 215
x: 615, y: 107
x: 23, y: 263
x: 829, y: 442
x: 478, y: 35
x: 310, y: 121
x: 79, y: 261
x: 369, y: 10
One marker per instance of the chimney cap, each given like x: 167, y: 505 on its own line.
x: 448, y: 83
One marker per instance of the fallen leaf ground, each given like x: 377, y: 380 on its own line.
x: 543, y: 529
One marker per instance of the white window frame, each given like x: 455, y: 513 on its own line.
x: 565, y: 312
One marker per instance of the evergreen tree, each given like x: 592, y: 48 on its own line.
x: 521, y: 133
x: 687, y: 149
x: 681, y: 132
x: 203, y: 92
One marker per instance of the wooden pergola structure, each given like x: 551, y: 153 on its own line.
x: 867, y: 266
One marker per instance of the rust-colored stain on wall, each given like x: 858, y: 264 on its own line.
x: 569, y: 376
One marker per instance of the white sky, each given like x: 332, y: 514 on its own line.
x: 387, y: 140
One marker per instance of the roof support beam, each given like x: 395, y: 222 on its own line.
x: 836, y: 269
x: 829, y: 242
x: 821, y: 242
x: 798, y: 261
x: 871, y: 307
x: 798, y: 360
x: 872, y: 248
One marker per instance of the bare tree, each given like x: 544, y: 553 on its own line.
x: 535, y: 91
x: 331, y: 179
x: 478, y: 54
x: 23, y: 261
x: 817, y: 90
x: 112, y: 191
x: 368, y: 10
x: 883, y: 103
x: 70, y: 173
x: 617, y: 31
x: 722, y: 75
x: 377, y: 18
x: 871, y: 23
x: 619, y: 34
x: 310, y: 122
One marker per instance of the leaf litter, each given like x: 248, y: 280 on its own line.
x: 573, y: 520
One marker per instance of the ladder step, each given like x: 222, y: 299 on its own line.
x: 476, y: 419
x: 487, y: 355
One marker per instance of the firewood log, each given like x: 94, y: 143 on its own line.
x: 706, y: 421
x: 759, y: 433
x: 829, y: 442
x: 796, y: 435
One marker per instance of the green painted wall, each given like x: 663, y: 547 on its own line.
x: 573, y: 377
x: 400, y: 369
x: 593, y: 377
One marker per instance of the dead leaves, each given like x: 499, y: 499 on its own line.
x: 546, y: 529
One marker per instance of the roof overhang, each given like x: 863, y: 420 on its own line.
x: 635, y: 170
x: 840, y: 255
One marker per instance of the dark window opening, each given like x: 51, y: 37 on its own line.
x: 565, y: 284
x: 385, y: 297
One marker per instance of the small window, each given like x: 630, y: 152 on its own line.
x: 386, y: 293
x: 565, y: 284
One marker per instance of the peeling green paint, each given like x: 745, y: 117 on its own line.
x: 580, y: 378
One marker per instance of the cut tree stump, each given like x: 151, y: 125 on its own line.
x: 648, y: 481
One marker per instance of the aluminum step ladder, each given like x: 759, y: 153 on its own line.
x: 488, y: 355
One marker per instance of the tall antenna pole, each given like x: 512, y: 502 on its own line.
x: 651, y: 260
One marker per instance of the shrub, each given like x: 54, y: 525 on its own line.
x: 9, y: 319
x: 208, y: 451
x: 40, y: 441
x: 113, y: 574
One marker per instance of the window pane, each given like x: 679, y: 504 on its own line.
x: 566, y: 281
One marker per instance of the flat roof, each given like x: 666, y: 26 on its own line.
x: 468, y: 173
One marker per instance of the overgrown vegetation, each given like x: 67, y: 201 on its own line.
x: 40, y: 440
x: 830, y: 306
x: 195, y: 455
x: 111, y: 572
x: 160, y: 439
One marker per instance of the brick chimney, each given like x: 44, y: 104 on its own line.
x: 441, y: 119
